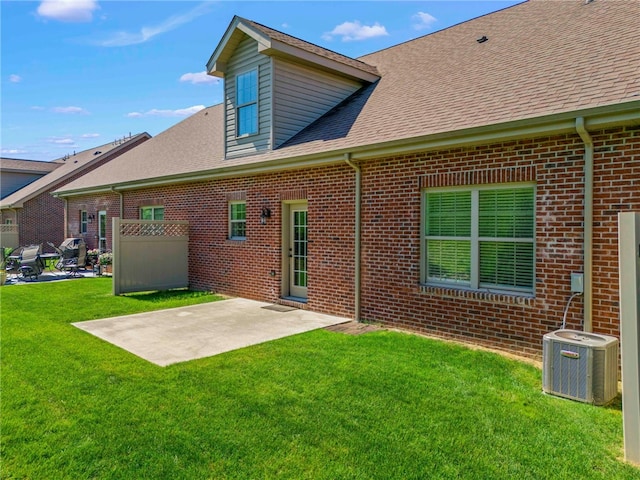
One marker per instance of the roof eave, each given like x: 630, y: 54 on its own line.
x: 627, y: 113
x: 217, y: 64
x: 80, y: 169
x: 283, y: 50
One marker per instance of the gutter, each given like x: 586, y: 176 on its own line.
x: 588, y: 223
x: 358, y: 232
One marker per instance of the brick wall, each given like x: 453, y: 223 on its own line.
x: 391, y: 290
x: 391, y: 242
x: 92, y: 204
x: 252, y: 268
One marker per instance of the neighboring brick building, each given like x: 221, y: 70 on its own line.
x: 40, y: 217
x: 441, y: 185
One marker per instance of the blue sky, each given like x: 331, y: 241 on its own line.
x: 80, y: 73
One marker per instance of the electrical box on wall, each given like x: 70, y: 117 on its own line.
x: 577, y: 282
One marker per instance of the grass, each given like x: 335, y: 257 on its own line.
x: 321, y: 405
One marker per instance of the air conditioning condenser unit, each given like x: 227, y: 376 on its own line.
x: 580, y: 365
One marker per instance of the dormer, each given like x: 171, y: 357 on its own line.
x: 275, y: 85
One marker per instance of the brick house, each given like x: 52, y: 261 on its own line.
x: 448, y: 185
x: 39, y: 216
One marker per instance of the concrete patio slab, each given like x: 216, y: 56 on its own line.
x: 180, y: 334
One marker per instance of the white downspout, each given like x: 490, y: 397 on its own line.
x: 588, y: 223
x: 357, y: 263
x: 113, y: 189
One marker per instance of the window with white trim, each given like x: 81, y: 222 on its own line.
x: 480, y: 237
x: 237, y: 220
x: 151, y: 213
x: 247, y: 103
x: 84, y: 220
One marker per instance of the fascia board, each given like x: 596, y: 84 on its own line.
x: 218, y: 61
x: 222, y: 44
x: 280, y: 49
x: 598, y: 117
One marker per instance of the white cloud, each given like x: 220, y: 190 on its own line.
x: 200, y: 77
x: 68, y: 10
x: 181, y: 112
x: 71, y: 110
x: 423, y: 20
x: 37, y: 108
x: 62, y: 141
x: 350, y: 31
x: 12, y: 151
x: 90, y: 135
x: 121, y: 39
x: 15, y: 78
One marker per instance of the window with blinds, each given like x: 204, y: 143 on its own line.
x: 480, y: 238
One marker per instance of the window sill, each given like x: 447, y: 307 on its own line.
x: 246, y: 135
x: 484, y: 296
x: 236, y: 239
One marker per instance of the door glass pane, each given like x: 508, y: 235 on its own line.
x: 300, y: 249
x: 102, y: 234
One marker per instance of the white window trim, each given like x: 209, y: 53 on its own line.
x: 256, y: 103
x: 232, y: 222
x: 474, y: 238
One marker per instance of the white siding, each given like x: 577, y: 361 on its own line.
x: 302, y: 95
x: 245, y: 58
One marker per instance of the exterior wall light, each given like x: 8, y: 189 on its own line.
x: 266, y: 213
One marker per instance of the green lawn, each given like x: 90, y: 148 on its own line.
x: 321, y: 405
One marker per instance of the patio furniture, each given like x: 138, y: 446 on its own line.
x: 50, y: 259
x: 73, y: 255
x: 31, y: 265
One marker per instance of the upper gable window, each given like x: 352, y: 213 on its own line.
x: 247, y: 103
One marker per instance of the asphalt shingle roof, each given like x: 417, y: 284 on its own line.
x: 26, y: 166
x: 541, y: 58
x: 68, y: 166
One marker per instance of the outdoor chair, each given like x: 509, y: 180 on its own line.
x: 12, y: 261
x: 73, y: 255
x: 31, y: 265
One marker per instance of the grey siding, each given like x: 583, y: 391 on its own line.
x: 12, y: 182
x: 245, y: 58
x: 302, y: 95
